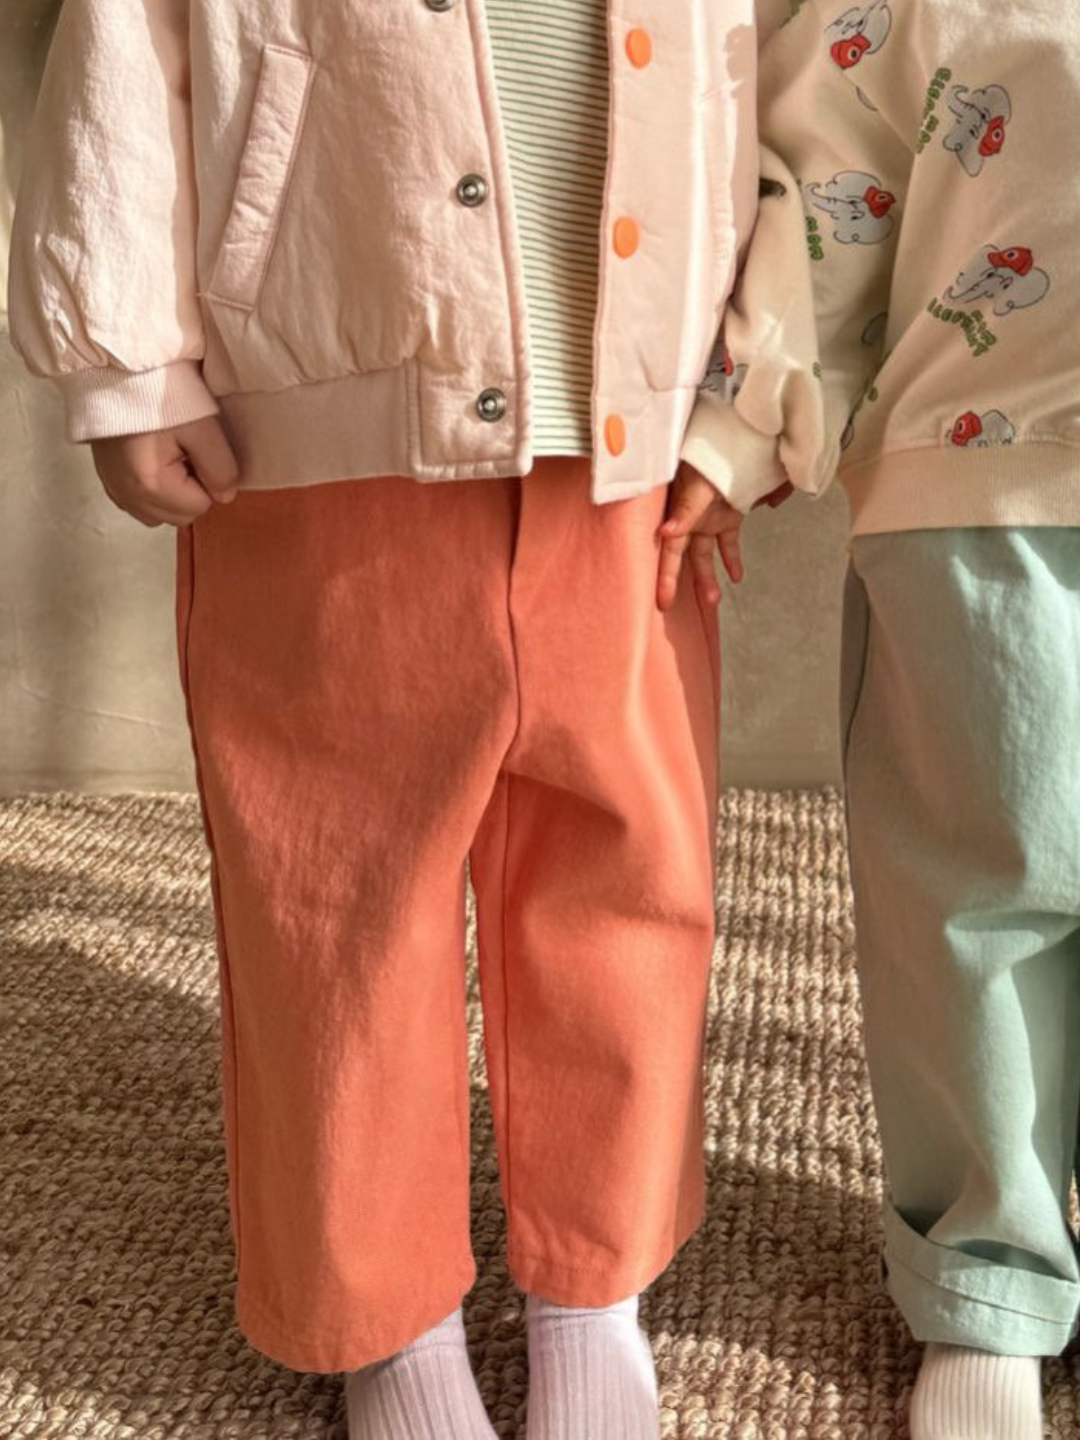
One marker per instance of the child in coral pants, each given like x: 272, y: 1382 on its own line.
x: 400, y: 312
x: 385, y: 680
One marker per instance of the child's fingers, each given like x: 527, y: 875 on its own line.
x: 702, y: 550
x: 731, y: 554
x: 681, y: 520
x: 141, y: 506
x: 182, y: 496
x: 691, y: 497
x: 149, y: 476
x: 778, y: 496
x: 165, y: 496
x: 672, y: 550
x: 211, y: 457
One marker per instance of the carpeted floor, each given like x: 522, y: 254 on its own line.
x: 115, y: 1301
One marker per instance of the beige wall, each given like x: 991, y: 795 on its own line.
x: 88, y: 692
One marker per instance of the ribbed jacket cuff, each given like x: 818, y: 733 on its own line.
x: 743, y: 464
x: 104, y: 401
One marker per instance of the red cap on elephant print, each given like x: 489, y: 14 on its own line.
x: 860, y: 208
x: 1017, y: 258
x: 722, y: 376
x: 973, y: 431
x: 1006, y: 275
x: 879, y: 202
x: 859, y: 32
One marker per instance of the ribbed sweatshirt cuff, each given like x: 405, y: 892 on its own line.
x: 742, y: 463
x: 106, y: 401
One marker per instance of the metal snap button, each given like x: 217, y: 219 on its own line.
x: 491, y: 405
x: 472, y: 190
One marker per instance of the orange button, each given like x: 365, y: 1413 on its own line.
x: 615, y: 434
x: 639, y: 47
x: 626, y: 235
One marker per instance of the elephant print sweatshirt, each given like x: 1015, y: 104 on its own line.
x: 908, y: 315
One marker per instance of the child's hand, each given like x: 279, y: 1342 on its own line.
x: 700, y: 519
x: 169, y: 477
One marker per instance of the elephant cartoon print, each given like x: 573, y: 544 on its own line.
x: 978, y: 432
x: 858, y: 206
x: 1008, y: 277
x: 982, y: 118
x: 723, y: 377
x: 859, y: 32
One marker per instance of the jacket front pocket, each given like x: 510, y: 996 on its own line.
x: 277, y: 118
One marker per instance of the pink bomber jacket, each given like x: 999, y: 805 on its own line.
x: 272, y: 211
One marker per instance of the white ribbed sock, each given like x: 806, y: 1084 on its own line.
x: 972, y: 1395
x: 425, y: 1392
x: 591, y: 1374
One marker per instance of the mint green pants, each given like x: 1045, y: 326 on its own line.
x: 961, y: 724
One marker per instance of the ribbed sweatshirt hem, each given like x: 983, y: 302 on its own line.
x: 1029, y: 483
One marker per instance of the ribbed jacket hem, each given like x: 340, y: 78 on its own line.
x: 373, y: 424
x: 104, y: 402
x: 1032, y: 482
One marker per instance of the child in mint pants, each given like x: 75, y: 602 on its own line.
x: 961, y: 718
x: 908, y: 319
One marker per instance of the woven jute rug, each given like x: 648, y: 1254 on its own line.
x: 115, y: 1288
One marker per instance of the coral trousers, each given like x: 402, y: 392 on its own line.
x: 385, y: 679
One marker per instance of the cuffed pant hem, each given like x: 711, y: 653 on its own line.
x: 952, y: 1298
x: 605, y: 1284
x: 347, y: 1347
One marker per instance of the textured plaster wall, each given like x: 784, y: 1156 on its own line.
x: 781, y: 636
x: 88, y: 691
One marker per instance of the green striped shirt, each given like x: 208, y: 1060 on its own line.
x: 551, y: 67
